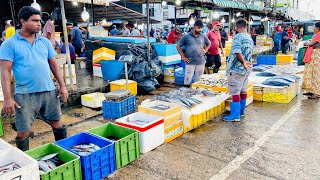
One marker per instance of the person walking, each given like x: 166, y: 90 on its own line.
x: 196, y: 46
x: 114, y: 31
x: 49, y: 29
x: 213, y: 56
x: 76, y: 38
x: 31, y: 57
x: 277, y: 36
x: 285, y: 40
x: 311, y: 80
x: 224, y: 37
x: 238, y: 70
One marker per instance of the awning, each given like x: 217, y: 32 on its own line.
x: 110, y: 13
x: 230, y: 4
x: 254, y: 7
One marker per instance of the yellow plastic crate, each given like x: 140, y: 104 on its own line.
x: 103, y: 54
x: 121, y: 84
x: 284, y: 59
x: 226, y: 51
x: 175, y: 131
x: 170, y: 113
x: 279, y: 95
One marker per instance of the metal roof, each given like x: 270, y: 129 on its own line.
x: 236, y: 5
x: 111, y: 12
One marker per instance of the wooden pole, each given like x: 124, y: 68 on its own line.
x: 64, y: 25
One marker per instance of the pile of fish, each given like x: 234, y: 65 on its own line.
x: 214, y: 81
x: 8, y: 168
x: 184, y: 96
x: 49, y: 162
x: 287, y: 69
x: 84, y: 149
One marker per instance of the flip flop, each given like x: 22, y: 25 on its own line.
x: 307, y: 94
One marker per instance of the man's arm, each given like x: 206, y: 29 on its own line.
x: 49, y: 35
x: 9, y: 104
x: 220, y: 44
x: 73, y: 36
x: 56, y: 72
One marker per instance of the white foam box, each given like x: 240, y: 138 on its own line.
x: 169, y: 60
x: 151, y: 134
x: 103, y: 54
x: 97, y: 72
x: 169, y: 79
x: 29, y: 167
x: 4, y: 146
x: 93, y: 100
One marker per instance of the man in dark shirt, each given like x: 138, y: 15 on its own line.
x: 285, y: 40
x: 196, y: 45
x: 224, y: 37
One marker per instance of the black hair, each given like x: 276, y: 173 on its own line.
x: 317, y: 25
x: 26, y: 12
x: 198, y: 23
x: 241, y: 23
x: 62, y: 38
x: 75, y: 23
x: 130, y: 25
x: 11, y: 23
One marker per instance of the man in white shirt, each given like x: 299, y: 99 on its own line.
x: 135, y: 32
x: 128, y: 29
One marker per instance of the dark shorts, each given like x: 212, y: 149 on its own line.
x: 44, y: 104
x: 78, y: 51
x: 213, y: 60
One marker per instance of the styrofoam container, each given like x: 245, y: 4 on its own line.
x: 4, y: 145
x: 93, y: 100
x: 168, y: 71
x: 83, y: 65
x: 97, y: 72
x: 151, y: 134
x: 168, y: 60
x: 169, y: 79
x: 29, y: 167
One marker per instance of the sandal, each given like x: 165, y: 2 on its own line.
x: 308, y: 94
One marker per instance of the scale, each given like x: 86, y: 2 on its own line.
x: 121, y: 94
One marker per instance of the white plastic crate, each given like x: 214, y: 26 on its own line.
x: 4, y: 145
x: 151, y: 134
x: 29, y: 167
x: 97, y: 72
x: 93, y: 100
x: 168, y: 60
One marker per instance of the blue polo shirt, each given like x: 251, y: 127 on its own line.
x: 30, y: 64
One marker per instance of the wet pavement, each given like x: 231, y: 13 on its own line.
x: 273, y: 141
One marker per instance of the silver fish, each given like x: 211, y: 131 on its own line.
x: 44, y: 166
x: 47, y: 157
x: 9, y: 167
x: 51, y: 164
x: 84, y: 149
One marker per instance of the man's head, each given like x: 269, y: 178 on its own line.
x: 241, y: 25
x: 286, y: 28
x: 130, y: 26
x: 46, y: 17
x: 75, y: 24
x: 30, y: 19
x: 176, y: 31
x: 216, y: 26
x: 198, y: 25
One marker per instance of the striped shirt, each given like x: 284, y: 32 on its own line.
x: 242, y: 43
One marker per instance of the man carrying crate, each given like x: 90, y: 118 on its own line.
x: 31, y: 57
x: 238, y: 70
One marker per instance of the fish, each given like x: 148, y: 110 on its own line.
x: 47, y: 157
x: 9, y: 167
x: 84, y: 149
x: 49, y: 162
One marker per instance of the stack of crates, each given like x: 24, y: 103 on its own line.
x: 266, y: 60
x: 100, y: 55
x: 121, y: 85
x: 283, y: 95
x: 227, y: 48
x: 173, y: 127
x: 257, y: 93
x: 126, y: 142
x: 99, y: 163
x: 261, y: 40
x: 71, y: 169
x: 118, y: 109
x: 167, y: 53
x: 284, y: 59
x: 168, y: 73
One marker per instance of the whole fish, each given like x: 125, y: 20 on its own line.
x: 9, y: 167
x: 47, y: 157
x: 84, y: 149
x: 44, y: 166
x: 49, y: 162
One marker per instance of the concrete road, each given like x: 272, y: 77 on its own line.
x: 274, y: 141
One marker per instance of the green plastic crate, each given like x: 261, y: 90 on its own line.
x: 1, y: 127
x: 127, y: 147
x: 71, y: 169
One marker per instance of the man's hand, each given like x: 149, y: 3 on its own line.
x: 222, y: 53
x: 186, y: 60
x: 63, y: 92
x: 247, y: 65
x: 9, y: 106
x: 203, y: 51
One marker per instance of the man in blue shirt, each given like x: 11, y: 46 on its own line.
x: 76, y: 38
x: 238, y: 70
x: 196, y: 46
x: 114, y: 30
x: 285, y: 40
x: 31, y: 57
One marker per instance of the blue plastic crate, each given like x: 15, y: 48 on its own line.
x: 179, y: 77
x: 98, y: 164
x: 267, y: 59
x: 115, y: 110
x: 165, y: 49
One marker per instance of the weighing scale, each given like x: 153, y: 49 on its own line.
x: 118, y: 95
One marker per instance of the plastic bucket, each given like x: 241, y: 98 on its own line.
x: 111, y: 69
